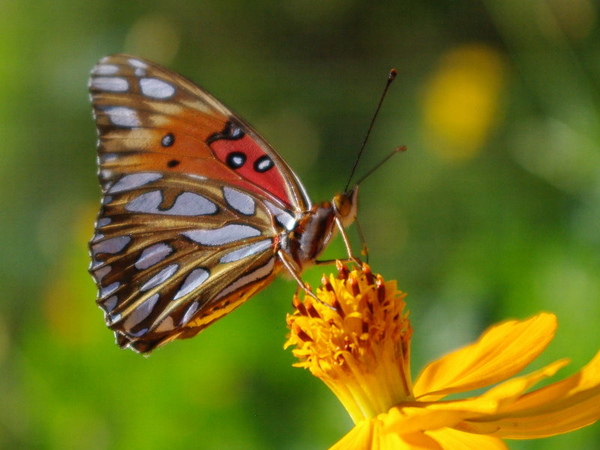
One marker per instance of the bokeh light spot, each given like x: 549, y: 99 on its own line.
x: 461, y: 101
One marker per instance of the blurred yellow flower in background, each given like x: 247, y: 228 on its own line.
x: 462, y: 101
x: 356, y: 339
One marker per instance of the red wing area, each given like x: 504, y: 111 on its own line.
x: 248, y: 159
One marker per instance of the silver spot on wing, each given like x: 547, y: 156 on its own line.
x: 105, y: 158
x: 153, y: 255
x: 141, y: 312
x: 108, y: 290
x: 186, y: 204
x: 111, y: 319
x: 239, y: 201
x: 109, y: 304
x: 133, y: 180
x: 112, y: 245
x: 258, y: 274
x: 97, y: 237
x: 101, y: 273
x: 157, y: 88
x: 190, y: 204
x: 138, y: 333
x: 146, y: 203
x: 122, y: 116
x: 160, y: 277
x: 194, y: 279
x: 106, y: 69
x: 140, y: 67
x: 190, y: 313
x: 224, y: 235
x: 248, y: 250
x: 103, y: 221
x: 110, y: 84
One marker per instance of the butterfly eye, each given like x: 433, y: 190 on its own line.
x: 345, y: 206
x: 235, y: 160
x: 342, y: 204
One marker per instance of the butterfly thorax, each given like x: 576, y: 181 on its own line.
x: 316, y: 227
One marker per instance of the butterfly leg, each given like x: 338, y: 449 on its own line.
x: 295, y: 273
x: 351, y: 257
x: 325, y: 262
x: 364, y: 251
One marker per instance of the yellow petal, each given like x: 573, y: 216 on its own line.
x: 411, y: 419
x: 459, y: 440
x: 558, y: 408
x: 501, y: 352
x: 506, y: 393
x: 372, y: 434
x: 359, y: 438
x: 584, y: 384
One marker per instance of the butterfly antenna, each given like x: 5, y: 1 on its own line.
x: 381, y: 163
x: 392, y: 74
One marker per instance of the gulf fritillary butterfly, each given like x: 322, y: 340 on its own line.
x: 198, y: 212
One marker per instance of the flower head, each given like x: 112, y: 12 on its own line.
x: 356, y: 338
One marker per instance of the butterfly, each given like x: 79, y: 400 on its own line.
x: 198, y: 211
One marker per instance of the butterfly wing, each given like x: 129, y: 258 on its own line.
x: 150, y: 118
x: 173, y: 253
x: 194, y: 203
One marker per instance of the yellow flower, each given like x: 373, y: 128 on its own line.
x: 356, y: 338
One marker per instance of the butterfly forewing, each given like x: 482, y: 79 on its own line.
x: 194, y: 203
x: 150, y: 118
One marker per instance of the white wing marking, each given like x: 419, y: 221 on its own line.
x: 160, y: 277
x: 224, y: 235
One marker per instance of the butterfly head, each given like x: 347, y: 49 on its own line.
x: 345, y: 206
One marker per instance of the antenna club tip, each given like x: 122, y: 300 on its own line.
x: 402, y: 148
x: 392, y: 74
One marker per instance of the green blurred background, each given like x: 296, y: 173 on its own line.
x: 494, y: 212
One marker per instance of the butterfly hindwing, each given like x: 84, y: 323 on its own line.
x: 173, y: 253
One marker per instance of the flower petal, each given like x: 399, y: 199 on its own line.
x: 459, y: 440
x: 373, y: 434
x: 412, y: 419
x: 506, y: 393
x: 358, y: 438
x: 501, y: 352
x: 558, y: 408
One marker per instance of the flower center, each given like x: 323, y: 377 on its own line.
x: 356, y: 338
